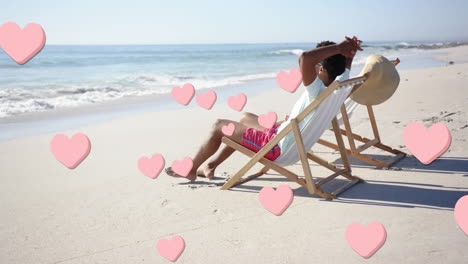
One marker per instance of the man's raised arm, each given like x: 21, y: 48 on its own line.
x: 309, y: 59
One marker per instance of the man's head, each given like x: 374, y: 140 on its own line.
x: 332, y: 66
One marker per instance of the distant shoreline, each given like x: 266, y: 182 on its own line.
x: 446, y: 44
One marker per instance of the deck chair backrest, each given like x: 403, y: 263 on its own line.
x: 316, y: 124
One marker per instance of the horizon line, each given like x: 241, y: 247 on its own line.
x: 249, y: 43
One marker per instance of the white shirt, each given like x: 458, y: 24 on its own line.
x: 312, y: 91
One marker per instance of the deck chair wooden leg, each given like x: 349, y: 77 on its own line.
x: 331, y: 177
x: 322, y: 162
x: 235, y: 179
x: 265, y: 169
x: 373, y: 122
x: 341, y: 146
x: 346, y: 172
x: 344, y: 116
x: 389, y: 149
x: 329, y: 165
x: 367, y: 145
x: 343, y: 153
x: 325, y: 195
x: 288, y: 174
x: 247, y: 179
x: 395, y: 159
x: 346, y: 187
x: 302, y: 154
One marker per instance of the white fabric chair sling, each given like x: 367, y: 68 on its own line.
x: 320, y: 120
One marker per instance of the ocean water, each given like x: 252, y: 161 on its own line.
x: 68, y: 76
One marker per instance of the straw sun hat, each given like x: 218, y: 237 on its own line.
x: 381, y: 83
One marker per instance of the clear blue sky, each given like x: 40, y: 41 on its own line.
x: 239, y: 21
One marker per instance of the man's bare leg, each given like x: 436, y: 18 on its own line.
x: 208, y: 170
x: 251, y: 120
x: 211, y: 145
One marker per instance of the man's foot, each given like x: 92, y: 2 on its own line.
x: 191, y: 176
x: 207, y: 171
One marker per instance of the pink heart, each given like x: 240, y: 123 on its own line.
x: 276, y: 201
x: 268, y: 120
x: 289, y: 81
x: 151, y: 167
x: 237, y: 102
x: 427, y: 145
x: 183, y: 94
x: 182, y: 167
x: 461, y: 213
x: 171, y: 249
x: 366, y: 240
x: 228, y: 129
x: 206, y: 100
x: 72, y: 151
x: 21, y: 44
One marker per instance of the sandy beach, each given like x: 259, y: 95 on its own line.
x: 107, y: 211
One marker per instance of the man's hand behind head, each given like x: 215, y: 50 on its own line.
x: 349, y: 46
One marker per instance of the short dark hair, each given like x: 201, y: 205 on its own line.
x: 335, y: 65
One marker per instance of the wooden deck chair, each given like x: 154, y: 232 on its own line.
x: 356, y: 151
x: 322, y: 110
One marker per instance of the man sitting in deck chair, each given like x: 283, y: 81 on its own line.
x: 320, y: 67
